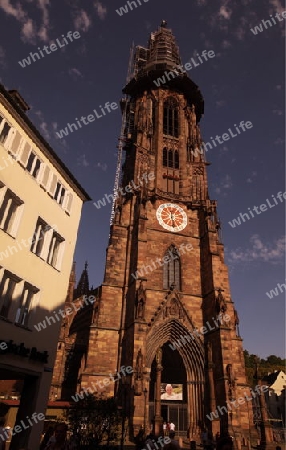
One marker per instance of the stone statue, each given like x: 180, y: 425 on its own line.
x: 142, y: 122
x: 231, y: 380
x: 141, y: 300
x: 221, y: 305
x: 236, y: 323
x: 139, y: 365
x: 138, y: 382
x: 159, y: 356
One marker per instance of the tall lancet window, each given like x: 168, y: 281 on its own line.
x: 171, y: 158
x: 171, y: 118
x: 172, y: 269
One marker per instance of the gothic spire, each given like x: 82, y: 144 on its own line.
x: 83, y: 284
x: 159, y: 66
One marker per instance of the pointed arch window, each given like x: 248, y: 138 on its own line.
x: 171, y: 118
x: 172, y: 269
x: 171, y: 158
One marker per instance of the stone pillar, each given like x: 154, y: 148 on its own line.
x: 266, y: 431
x: 159, y: 368
x: 215, y: 422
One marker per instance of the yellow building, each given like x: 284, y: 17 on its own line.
x: 40, y: 209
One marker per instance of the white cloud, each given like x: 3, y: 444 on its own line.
x: 252, y: 177
x: 82, y: 21
x: 44, y: 130
x: 225, y: 185
x: 278, y: 112
x: 82, y: 161
x: 223, y: 150
x: 258, y: 251
x: 29, y: 30
x: 45, y: 26
x: 226, y: 44
x: 101, y: 10
x: 220, y: 103
x: 275, y: 6
x: 101, y: 166
x: 225, y: 12
x: 279, y: 141
x: 75, y: 73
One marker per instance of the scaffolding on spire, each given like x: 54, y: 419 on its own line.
x: 123, y: 135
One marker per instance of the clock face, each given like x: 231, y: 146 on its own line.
x: 171, y: 217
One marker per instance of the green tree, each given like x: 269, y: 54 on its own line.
x: 97, y: 419
x: 270, y: 364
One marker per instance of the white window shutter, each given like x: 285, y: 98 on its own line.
x: 14, y: 142
x: 46, y: 245
x: 45, y: 176
x: 69, y: 203
x: 25, y: 154
x: 53, y: 184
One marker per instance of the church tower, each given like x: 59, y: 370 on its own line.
x: 165, y: 307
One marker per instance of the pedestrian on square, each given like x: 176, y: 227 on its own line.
x: 165, y: 431
x: 61, y: 442
x: 225, y: 443
x: 174, y: 444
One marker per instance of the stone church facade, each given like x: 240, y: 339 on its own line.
x: 165, y: 307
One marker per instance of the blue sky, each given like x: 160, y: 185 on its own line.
x: 244, y: 81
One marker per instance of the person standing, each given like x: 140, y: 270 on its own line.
x: 173, y: 445
x: 165, y: 431
x: 172, y: 426
x: 61, y: 442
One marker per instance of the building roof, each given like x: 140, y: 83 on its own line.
x: 272, y: 377
x: 11, y: 97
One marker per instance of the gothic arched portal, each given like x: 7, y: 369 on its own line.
x: 189, y: 358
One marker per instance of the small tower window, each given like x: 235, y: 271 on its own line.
x: 176, y: 162
x: 171, y: 118
x: 171, y: 158
x: 165, y: 157
x: 172, y: 269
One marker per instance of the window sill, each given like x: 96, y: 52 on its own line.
x: 22, y: 326
x: 9, y: 234
x: 5, y: 319
x: 44, y: 261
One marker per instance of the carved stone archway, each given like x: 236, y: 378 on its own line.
x: 192, y: 354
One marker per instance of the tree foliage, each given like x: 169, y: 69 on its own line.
x: 267, y: 365
x: 97, y: 419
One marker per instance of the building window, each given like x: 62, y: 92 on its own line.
x: 171, y: 118
x: 41, y: 230
x: 47, y: 244
x: 4, y: 133
x: 7, y: 287
x: 54, y: 250
x: 172, y: 269
x: 33, y: 164
x: 59, y: 194
x: 9, y: 212
x: 171, y: 158
x: 23, y: 311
